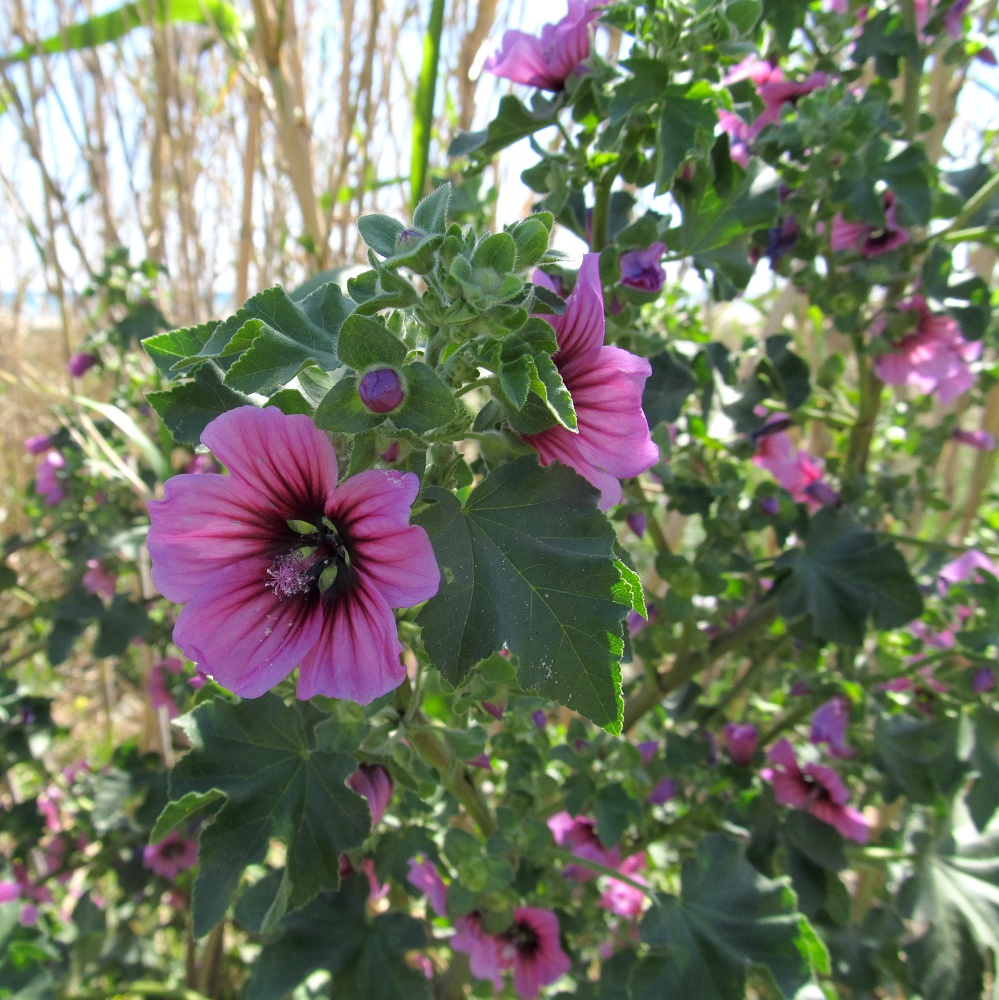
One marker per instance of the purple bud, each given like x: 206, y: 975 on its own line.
x: 770, y: 506
x: 381, y: 390
x: 496, y: 711
x: 80, y: 364
x: 481, y: 761
x: 821, y: 492
x: 983, y: 680
x: 375, y: 784
x: 981, y: 440
x: 408, y: 238
x: 38, y: 444
x: 648, y: 750
x: 540, y: 718
x: 391, y: 453
x: 829, y: 726
x: 637, y: 522
x: 741, y: 741
x: 641, y: 269
x: 663, y: 792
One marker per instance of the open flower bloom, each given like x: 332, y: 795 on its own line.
x: 622, y: 898
x: 281, y: 566
x: 530, y: 946
x: 792, y: 468
x: 829, y: 726
x: 483, y: 949
x: 579, y: 835
x: 606, y: 385
x: 871, y: 241
x: 171, y: 856
x: 935, y: 358
x: 776, y: 93
x: 816, y: 789
x: 547, y: 62
x: 374, y: 783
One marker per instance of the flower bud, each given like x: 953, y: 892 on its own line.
x: 80, y: 364
x: 381, y: 390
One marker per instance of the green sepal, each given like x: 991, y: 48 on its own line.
x: 380, y: 289
x: 497, y: 252
x: 428, y: 402
x: 366, y: 343
x: 343, y: 412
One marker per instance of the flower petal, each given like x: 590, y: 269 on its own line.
x: 357, y: 652
x: 286, y: 459
x: 582, y: 326
x: 241, y: 633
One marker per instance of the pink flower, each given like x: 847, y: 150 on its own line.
x: 739, y: 133
x: 829, y: 726
x: 662, y: 793
x: 374, y: 783
x: 549, y: 61
x: 201, y: 465
x: 816, y: 789
x: 281, y: 566
x: 933, y: 359
x: 793, y: 469
x: 48, y: 483
x: 620, y: 897
x: 171, y: 856
x: 579, y: 835
x: 80, y: 364
x: 641, y: 269
x: 423, y: 875
x: 606, y: 386
x: 48, y: 806
x: 964, y: 567
x: 531, y: 948
x: 741, y: 740
x: 38, y: 444
x: 156, y: 684
x: 954, y: 18
x: 753, y: 68
x: 99, y: 579
x: 777, y: 92
x: 483, y: 949
x: 870, y: 240
x: 981, y: 440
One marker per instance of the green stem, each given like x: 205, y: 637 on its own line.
x: 142, y: 988
x: 601, y: 212
x: 792, y: 718
x: 971, y: 206
x: 688, y: 664
x: 912, y: 78
x: 870, y: 404
x: 926, y: 544
x: 423, y: 116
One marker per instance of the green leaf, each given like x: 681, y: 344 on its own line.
x: 260, y: 754
x: 428, y: 404
x: 171, y: 351
x: 727, y: 919
x: 528, y: 562
x: 983, y: 797
x: 792, y: 371
x: 628, y: 590
x: 158, y: 462
x: 381, y: 233
x: 614, y: 810
x: 366, y: 957
x: 667, y: 388
x: 122, y: 622
x: 179, y: 813
x: 843, y: 577
x: 365, y: 342
x: 187, y: 409
x: 513, y: 122
x: 342, y: 411
x: 644, y: 86
x: 921, y: 757
x: 382, y: 289
x: 680, y: 121
x: 430, y: 216
x: 498, y: 252
x: 115, y: 24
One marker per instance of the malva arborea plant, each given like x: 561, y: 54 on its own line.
x: 601, y: 602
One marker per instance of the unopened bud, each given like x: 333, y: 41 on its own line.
x: 381, y: 390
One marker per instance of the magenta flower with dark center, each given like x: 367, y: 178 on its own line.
x: 870, y: 241
x: 80, y: 364
x: 829, y: 726
x: 531, y: 947
x: 381, y: 390
x: 579, y: 835
x: 547, y: 62
x: 816, y: 789
x: 483, y: 949
x: 280, y: 566
x: 641, y: 269
x: 936, y: 358
x: 741, y: 740
x: 375, y: 784
x: 171, y: 856
x: 606, y: 385
x: 792, y: 468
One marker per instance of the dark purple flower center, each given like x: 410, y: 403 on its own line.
x: 172, y: 850
x: 316, y: 561
x: 381, y: 390
x: 524, y: 938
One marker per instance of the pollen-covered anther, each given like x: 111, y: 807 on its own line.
x: 289, y: 575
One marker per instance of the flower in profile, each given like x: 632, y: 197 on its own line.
x: 530, y: 946
x: 171, y: 856
x: 80, y: 364
x: 793, y: 469
x: 622, y: 898
x: 423, y: 875
x: 870, y: 241
x: 741, y: 740
x: 381, y: 390
x: 38, y: 444
x: 157, y: 690
x: 279, y: 565
x: 776, y: 93
x: 816, y: 789
x: 606, y: 384
x: 966, y: 566
x: 829, y: 726
x: 640, y: 269
x: 547, y: 62
x: 99, y: 580
x: 935, y: 358
x: 982, y: 440
x: 374, y: 783
x: 579, y: 835
x: 48, y: 481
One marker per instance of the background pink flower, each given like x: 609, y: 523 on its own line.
x: 531, y: 948
x: 579, y: 835
x: 171, y: 856
x: 99, y: 579
x: 281, y: 566
x: 374, y: 783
